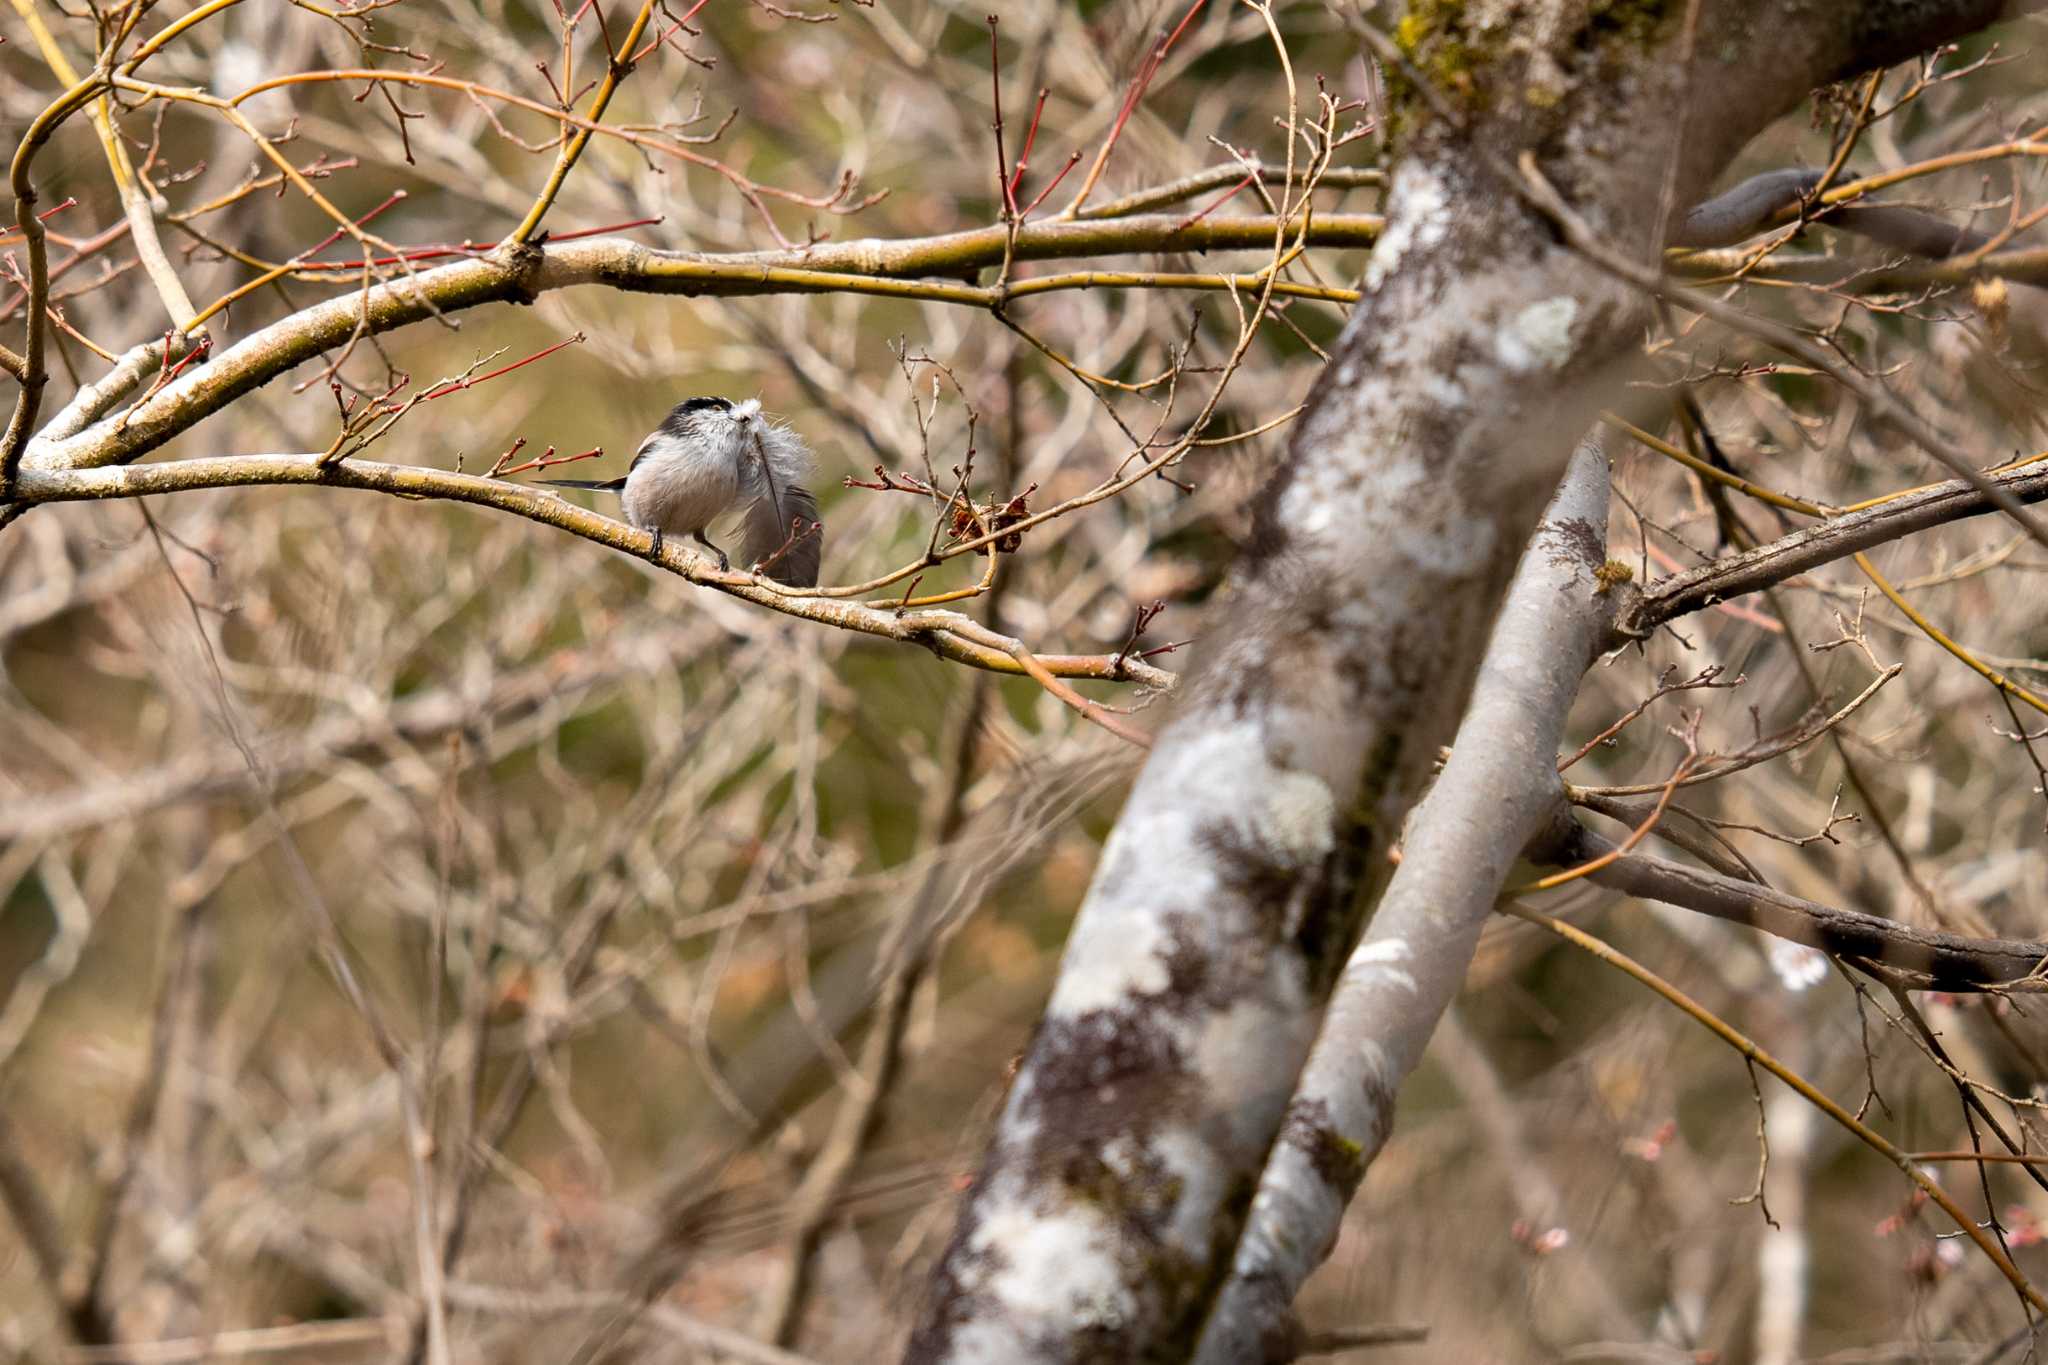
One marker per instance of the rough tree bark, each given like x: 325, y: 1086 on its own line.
x: 1115, y: 1193
x: 1498, y: 789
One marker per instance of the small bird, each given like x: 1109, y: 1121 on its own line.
x: 709, y: 457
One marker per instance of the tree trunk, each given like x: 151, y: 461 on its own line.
x: 1113, y: 1197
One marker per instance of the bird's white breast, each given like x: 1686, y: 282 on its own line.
x: 680, y: 493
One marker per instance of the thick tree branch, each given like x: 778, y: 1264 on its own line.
x: 1881, y: 402
x: 875, y: 268
x: 1498, y: 788
x: 2021, y: 266
x: 1924, y: 957
x: 1111, y: 1199
x: 1823, y: 543
x: 947, y: 634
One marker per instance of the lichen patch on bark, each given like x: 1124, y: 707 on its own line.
x: 1424, y: 221
x: 1057, y: 1264
x: 1539, y: 337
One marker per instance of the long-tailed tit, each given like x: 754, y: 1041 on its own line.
x: 710, y: 457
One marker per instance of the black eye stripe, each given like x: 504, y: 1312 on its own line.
x: 700, y: 404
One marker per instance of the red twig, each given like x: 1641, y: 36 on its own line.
x: 331, y: 238
x: 1225, y: 198
x: 549, y: 76
x: 1143, y: 618
x: 604, y: 31
x: 1146, y: 71
x: 799, y: 531
x: 448, y: 386
x: 995, y: 77
x: 166, y: 371
x: 45, y: 216
x: 498, y: 465
x: 399, y: 112
x: 191, y: 357
x: 1030, y: 139
x: 681, y: 24
x: 885, y: 482
x: 1053, y: 184
x: 545, y: 460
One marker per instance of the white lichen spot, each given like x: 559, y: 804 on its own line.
x: 1443, y: 389
x: 1359, y: 474
x: 1287, y: 813
x: 176, y: 1243
x: 1201, y: 1175
x: 1111, y: 959
x: 1538, y: 337
x: 1203, y: 806
x: 1385, y: 958
x: 1298, y: 816
x: 1057, y: 1267
x: 1418, y: 215
x: 1442, y: 543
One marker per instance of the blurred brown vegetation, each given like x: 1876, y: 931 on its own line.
x: 621, y: 864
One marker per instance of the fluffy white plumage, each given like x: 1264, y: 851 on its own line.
x: 711, y: 457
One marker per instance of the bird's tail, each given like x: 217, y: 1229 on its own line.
x: 604, y: 485
x: 779, y: 526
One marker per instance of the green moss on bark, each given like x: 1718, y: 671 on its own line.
x: 1464, y: 50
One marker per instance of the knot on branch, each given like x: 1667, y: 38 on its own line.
x: 521, y: 263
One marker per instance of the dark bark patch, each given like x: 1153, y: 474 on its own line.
x: 1635, y: 22
x: 1888, y: 31
x: 1337, y: 1160
x: 1576, y: 541
x: 1103, y: 1073
x: 1190, y: 966
x: 1252, y: 872
x: 1330, y: 926
x: 948, y: 1304
x: 1140, y: 1191
x: 1269, y: 539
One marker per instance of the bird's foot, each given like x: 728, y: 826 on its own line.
x: 654, y: 546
